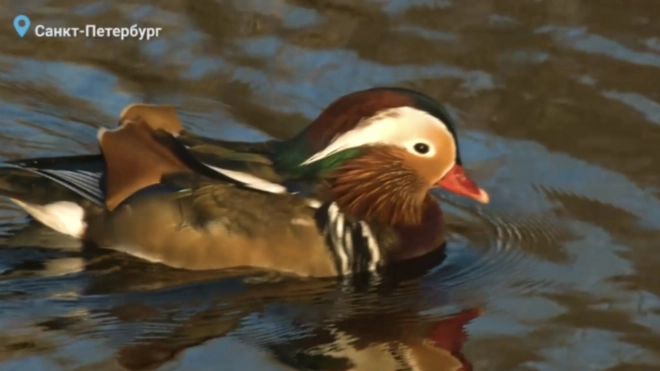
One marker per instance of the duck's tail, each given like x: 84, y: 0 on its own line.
x: 58, y: 192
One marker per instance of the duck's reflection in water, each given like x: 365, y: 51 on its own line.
x: 305, y: 325
x: 393, y: 341
x: 152, y: 315
x: 378, y: 342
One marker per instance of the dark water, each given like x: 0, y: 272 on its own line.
x: 559, y: 119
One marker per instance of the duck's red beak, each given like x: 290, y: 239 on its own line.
x: 456, y: 181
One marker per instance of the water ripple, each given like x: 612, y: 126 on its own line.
x: 491, y: 251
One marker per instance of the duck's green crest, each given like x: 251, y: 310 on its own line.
x: 291, y: 154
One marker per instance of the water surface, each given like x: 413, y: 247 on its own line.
x: 558, y: 112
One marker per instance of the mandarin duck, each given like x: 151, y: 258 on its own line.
x: 348, y: 194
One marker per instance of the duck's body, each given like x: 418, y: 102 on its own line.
x: 347, y: 195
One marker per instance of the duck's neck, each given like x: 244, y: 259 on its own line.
x: 419, y: 239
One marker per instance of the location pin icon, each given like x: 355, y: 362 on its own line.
x: 21, y: 24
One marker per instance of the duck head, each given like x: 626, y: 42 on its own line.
x: 380, y: 151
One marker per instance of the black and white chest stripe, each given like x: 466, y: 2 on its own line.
x: 352, y: 244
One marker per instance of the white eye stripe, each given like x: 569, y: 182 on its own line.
x: 401, y: 126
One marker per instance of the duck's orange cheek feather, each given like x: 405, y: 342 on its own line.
x: 457, y: 181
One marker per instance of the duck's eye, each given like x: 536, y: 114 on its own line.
x: 421, y: 148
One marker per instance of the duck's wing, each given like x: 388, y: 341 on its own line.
x: 138, y: 156
x: 47, y: 180
x: 247, y: 157
x: 165, y: 117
